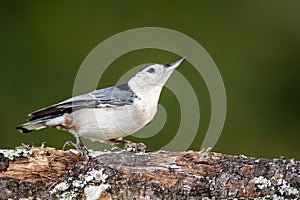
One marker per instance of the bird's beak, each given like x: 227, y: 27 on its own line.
x: 174, y: 64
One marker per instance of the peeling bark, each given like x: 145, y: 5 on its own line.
x: 47, y: 173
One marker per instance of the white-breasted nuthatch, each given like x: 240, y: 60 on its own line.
x: 108, y: 113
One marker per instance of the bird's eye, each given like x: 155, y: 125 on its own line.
x: 151, y: 70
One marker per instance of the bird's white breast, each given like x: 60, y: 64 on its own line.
x: 101, y: 124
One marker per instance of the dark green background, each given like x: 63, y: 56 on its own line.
x: 256, y: 46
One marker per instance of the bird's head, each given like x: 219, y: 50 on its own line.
x: 153, y: 76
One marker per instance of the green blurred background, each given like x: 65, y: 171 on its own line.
x: 256, y: 46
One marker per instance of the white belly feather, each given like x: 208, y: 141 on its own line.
x: 100, y: 124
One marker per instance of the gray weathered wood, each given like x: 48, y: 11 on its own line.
x: 46, y: 173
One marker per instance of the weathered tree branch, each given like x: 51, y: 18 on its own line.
x: 46, y: 173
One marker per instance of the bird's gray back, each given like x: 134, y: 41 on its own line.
x: 107, y: 97
x: 115, y: 96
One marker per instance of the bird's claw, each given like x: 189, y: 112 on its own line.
x: 128, y: 145
x: 135, y: 147
x: 67, y: 143
x: 82, y: 150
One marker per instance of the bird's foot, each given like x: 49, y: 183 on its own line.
x: 128, y: 145
x: 135, y: 147
x: 82, y: 150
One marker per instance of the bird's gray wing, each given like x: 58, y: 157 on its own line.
x: 114, y: 96
x: 108, y: 97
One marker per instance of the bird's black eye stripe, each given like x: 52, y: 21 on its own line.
x: 151, y: 70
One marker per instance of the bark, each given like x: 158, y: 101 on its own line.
x: 46, y: 173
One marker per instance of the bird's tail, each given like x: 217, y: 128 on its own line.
x: 32, y: 125
x: 38, y: 119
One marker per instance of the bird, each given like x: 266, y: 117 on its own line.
x: 108, y: 114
